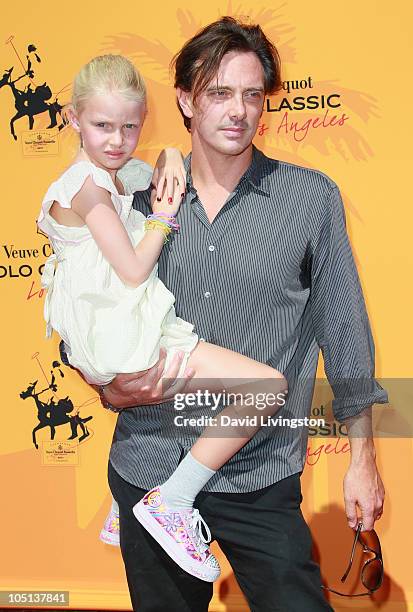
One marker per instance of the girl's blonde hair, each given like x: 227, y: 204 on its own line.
x: 107, y: 73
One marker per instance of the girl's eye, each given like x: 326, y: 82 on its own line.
x: 102, y: 125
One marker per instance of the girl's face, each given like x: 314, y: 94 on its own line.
x: 110, y: 126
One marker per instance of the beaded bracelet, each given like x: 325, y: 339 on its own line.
x: 162, y: 221
x: 104, y: 401
x: 152, y: 225
x: 165, y: 218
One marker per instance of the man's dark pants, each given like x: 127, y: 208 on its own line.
x: 263, y: 535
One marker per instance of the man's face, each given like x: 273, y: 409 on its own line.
x: 226, y: 115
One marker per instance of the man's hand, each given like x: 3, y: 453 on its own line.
x: 363, y: 487
x: 149, y: 386
x: 363, y: 493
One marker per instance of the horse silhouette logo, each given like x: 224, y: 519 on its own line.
x: 53, y: 413
x: 33, y: 99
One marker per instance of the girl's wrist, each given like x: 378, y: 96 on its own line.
x: 173, y: 152
x: 165, y: 217
x: 163, y: 222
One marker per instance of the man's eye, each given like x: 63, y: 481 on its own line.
x: 101, y: 124
x: 130, y: 126
x: 220, y: 93
x: 254, y: 94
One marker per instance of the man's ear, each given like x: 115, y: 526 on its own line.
x: 185, y: 102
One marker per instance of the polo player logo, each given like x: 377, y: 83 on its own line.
x: 33, y: 99
x: 53, y: 414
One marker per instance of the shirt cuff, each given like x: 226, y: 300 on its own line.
x: 353, y: 404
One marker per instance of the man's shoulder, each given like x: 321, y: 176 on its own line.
x: 276, y: 172
x: 142, y: 201
x: 139, y: 179
x: 136, y: 176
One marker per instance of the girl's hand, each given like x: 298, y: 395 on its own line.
x: 164, y: 205
x: 169, y: 176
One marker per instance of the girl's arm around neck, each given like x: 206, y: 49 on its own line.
x: 133, y: 265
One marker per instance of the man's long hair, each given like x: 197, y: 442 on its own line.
x: 197, y: 63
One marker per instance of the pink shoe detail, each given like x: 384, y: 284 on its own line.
x: 110, y: 529
x: 179, y: 532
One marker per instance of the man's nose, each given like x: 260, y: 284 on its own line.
x: 237, y: 109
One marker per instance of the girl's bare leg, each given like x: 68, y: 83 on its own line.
x: 218, y: 369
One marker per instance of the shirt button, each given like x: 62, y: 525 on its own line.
x: 202, y: 339
x: 211, y: 247
x: 207, y: 294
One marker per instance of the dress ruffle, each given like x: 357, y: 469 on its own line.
x: 109, y: 328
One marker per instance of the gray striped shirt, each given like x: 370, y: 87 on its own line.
x: 272, y: 277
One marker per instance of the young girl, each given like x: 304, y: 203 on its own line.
x: 113, y: 313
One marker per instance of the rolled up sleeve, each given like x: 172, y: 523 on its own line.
x: 339, y: 316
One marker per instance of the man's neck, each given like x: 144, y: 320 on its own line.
x: 210, y: 169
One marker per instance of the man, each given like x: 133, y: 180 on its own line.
x: 262, y: 265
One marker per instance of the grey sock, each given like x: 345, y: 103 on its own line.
x: 180, y: 490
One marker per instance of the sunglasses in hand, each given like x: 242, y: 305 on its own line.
x: 372, y: 571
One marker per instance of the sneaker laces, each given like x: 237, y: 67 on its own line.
x: 196, y: 522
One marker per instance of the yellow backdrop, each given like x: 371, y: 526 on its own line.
x: 347, y: 65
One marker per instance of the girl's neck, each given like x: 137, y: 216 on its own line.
x: 83, y: 156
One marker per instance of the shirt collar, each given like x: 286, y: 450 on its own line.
x: 187, y: 166
x: 255, y: 174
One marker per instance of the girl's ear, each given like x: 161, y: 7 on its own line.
x: 72, y: 118
x: 185, y: 102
